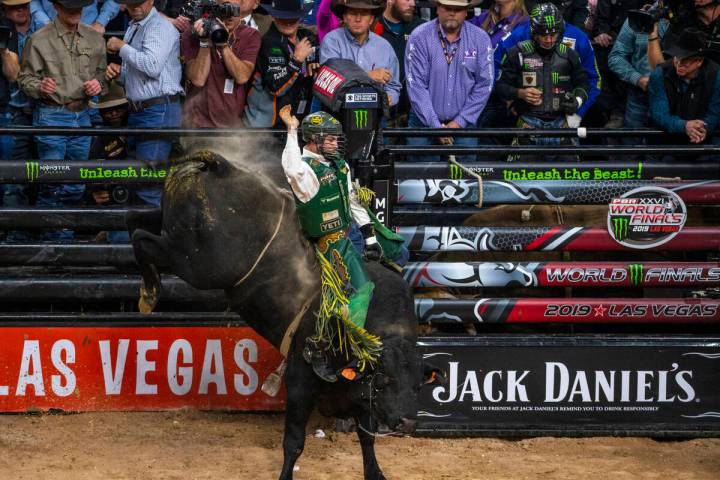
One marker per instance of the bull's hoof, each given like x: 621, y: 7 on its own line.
x: 147, y: 301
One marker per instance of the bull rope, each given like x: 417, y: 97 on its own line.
x: 481, y: 193
x: 267, y: 245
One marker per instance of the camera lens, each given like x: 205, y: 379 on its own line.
x: 120, y: 194
x: 218, y: 34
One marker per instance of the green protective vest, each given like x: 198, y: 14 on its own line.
x: 329, y: 210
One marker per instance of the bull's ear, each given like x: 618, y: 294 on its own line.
x: 433, y: 374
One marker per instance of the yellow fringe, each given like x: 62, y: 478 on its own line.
x: 346, y: 337
x: 364, y: 195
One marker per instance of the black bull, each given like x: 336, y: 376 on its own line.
x: 231, y: 228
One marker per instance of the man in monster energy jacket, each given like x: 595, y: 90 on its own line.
x: 285, y: 69
x: 326, y: 204
x: 542, y: 77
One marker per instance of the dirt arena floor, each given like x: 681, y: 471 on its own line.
x: 195, y: 445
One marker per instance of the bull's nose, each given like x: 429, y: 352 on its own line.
x: 407, y: 425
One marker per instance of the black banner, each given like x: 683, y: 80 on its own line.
x: 560, y: 170
x: 579, y: 384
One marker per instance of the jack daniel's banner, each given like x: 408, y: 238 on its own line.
x: 561, y: 384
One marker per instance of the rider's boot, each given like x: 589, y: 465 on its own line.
x: 316, y: 354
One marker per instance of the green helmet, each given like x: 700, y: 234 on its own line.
x: 316, y: 126
x: 319, y: 124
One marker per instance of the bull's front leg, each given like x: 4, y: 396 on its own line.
x: 367, y: 443
x: 301, y: 385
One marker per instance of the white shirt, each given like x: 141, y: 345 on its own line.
x: 250, y: 22
x: 304, y: 182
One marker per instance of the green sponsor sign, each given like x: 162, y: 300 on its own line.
x: 32, y: 171
x: 620, y: 227
x: 456, y: 172
x: 361, y: 118
x: 635, y: 273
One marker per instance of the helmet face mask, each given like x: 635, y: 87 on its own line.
x: 323, y: 130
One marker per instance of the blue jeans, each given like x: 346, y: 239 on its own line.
x: 154, y: 150
x: 637, y: 115
x: 55, y: 147
x: 15, y: 195
x: 537, y: 123
x: 415, y: 122
x: 6, y: 141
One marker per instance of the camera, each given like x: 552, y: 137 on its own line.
x: 210, y: 11
x: 642, y: 21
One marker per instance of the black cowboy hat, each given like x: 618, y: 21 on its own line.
x: 73, y: 4
x: 338, y: 7
x: 129, y: 2
x: 690, y: 43
x: 289, y: 9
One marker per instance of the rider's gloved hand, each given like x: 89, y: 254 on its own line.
x: 373, y: 250
x: 569, y: 103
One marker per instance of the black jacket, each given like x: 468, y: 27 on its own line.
x: 554, y: 74
x: 281, y: 78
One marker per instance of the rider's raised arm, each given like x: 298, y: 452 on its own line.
x: 300, y: 176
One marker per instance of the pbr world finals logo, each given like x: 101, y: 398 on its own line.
x: 646, y: 217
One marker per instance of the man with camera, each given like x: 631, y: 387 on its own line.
x: 685, y: 91
x: 151, y: 73
x: 219, y: 54
x: 701, y: 15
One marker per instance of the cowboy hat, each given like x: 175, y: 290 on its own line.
x: 14, y: 3
x: 289, y: 9
x: 114, y: 97
x: 457, y: 3
x: 338, y: 7
x: 690, y: 43
x: 73, y: 4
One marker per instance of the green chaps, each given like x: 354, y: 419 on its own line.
x: 338, y: 250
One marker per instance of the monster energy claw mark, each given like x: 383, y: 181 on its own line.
x: 32, y: 170
x: 555, y: 78
x: 550, y: 20
x: 635, y: 272
x: 361, y: 118
x: 456, y: 172
x: 620, y: 227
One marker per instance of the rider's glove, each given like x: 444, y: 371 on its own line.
x: 373, y: 250
x: 569, y: 103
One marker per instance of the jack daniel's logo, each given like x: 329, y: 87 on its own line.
x: 563, y: 384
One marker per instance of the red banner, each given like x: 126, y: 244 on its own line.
x: 135, y: 368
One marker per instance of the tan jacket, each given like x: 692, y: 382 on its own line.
x: 71, y: 58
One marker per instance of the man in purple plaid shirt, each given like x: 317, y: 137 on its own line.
x: 449, y: 66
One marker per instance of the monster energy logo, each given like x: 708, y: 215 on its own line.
x: 555, y: 78
x: 620, y: 227
x: 361, y: 118
x: 32, y: 170
x: 635, y: 271
x: 456, y: 172
x: 550, y: 20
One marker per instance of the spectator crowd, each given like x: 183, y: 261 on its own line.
x: 236, y: 63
